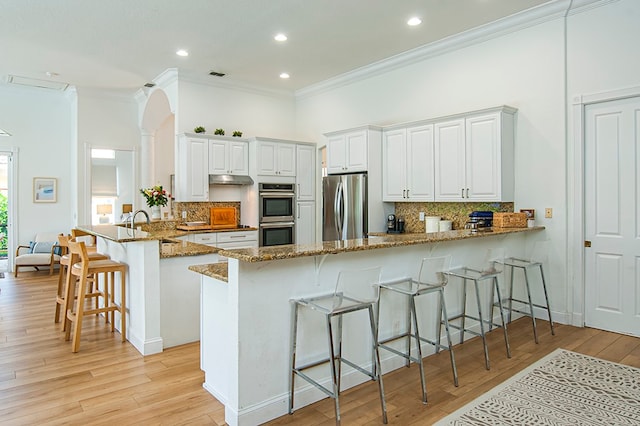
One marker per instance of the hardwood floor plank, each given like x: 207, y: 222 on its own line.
x: 109, y: 382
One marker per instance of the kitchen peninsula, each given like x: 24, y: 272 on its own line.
x: 245, y: 310
x: 163, y: 299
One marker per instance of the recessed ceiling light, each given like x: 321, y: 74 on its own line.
x: 182, y: 52
x: 284, y: 75
x: 414, y: 21
x: 280, y: 37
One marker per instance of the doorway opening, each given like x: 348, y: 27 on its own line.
x: 4, y: 211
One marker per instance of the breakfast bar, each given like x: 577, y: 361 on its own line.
x: 163, y: 299
x: 246, y: 311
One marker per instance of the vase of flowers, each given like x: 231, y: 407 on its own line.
x: 156, y: 197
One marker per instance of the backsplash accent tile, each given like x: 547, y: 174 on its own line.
x: 200, y: 211
x: 456, y: 212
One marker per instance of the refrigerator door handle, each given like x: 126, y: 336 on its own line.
x: 337, y: 208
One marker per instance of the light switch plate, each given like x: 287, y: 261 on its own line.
x: 421, y: 216
x: 548, y: 213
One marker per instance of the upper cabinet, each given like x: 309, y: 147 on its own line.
x: 347, y: 152
x: 228, y: 157
x: 275, y: 158
x: 407, y: 164
x: 192, y: 174
x: 305, y: 172
x: 474, y: 156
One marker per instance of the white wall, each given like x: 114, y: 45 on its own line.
x: 524, y: 69
x: 104, y: 121
x: 40, y: 123
x: 253, y: 113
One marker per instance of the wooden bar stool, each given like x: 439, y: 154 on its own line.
x: 63, y: 241
x: 349, y: 297
x: 431, y: 278
x: 83, y: 271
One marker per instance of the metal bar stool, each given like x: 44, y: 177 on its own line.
x: 538, y: 257
x: 431, y: 279
x: 490, y: 271
x: 336, y: 305
x: 63, y: 241
x: 85, y: 270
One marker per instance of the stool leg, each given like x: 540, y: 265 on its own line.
x: 464, y: 309
x: 339, y: 351
x: 60, y: 293
x: 482, y: 332
x: 292, y: 352
x: 546, y: 298
x: 443, y: 317
x: 332, y: 366
x: 123, y: 306
x: 510, y: 300
x: 414, y: 316
x: 77, y: 326
x: 377, y: 368
x: 533, y: 317
x: 407, y: 341
x: 504, y: 324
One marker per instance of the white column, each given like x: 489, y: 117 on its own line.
x: 147, y: 159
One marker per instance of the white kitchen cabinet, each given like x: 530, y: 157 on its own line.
x: 474, y: 157
x: 192, y: 174
x: 306, y: 222
x: 407, y: 164
x: 276, y: 158
x: 206, y: 238
x: 228, y: 157
x: 305, y: 172
x: 347, y: 152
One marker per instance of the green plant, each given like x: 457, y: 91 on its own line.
x: 155, y: 196
x: 219, y: 132
x: 237, y: 133
x: 199, y: 129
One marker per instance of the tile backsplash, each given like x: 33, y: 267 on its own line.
x: 200, y: 211
x: 456, y: 212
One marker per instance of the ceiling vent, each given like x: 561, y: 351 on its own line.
x: 34, y: 82
x: 149, y: 85
x: 216, y: 74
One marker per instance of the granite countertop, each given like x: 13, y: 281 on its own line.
x: 169, y: 246
x: 375, y: 241
x: 218, y: 271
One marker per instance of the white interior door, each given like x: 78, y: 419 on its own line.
x: 612, y: 219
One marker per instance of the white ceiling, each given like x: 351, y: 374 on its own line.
x: 123, y: 44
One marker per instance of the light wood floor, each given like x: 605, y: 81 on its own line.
x: 109, y: 382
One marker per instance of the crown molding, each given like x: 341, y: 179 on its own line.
x: 528, y: 18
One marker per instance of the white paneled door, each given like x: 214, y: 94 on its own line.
x: 612, y: 218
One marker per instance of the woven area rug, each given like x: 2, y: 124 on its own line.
x: 563, y: 388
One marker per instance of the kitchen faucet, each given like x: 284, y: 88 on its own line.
x: 133, y: 217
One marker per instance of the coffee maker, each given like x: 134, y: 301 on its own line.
x: 395, y: 225
x: 391, y: 223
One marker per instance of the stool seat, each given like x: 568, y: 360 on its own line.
x: 490, y: 271
x: 84, y: 272
x: 337, y: 305
x: 431, y: 278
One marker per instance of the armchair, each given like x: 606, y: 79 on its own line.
x: 43, y: 251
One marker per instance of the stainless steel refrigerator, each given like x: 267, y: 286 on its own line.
x: 344, y: 207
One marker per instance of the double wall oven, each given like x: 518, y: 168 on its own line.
x: 277, y: 213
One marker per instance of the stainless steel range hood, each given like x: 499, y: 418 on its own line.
x: 230, y: 180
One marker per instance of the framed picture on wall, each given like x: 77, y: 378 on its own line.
x: 45, y: 190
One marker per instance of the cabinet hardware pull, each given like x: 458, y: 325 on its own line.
x: 403, y: 192
x: 407, y: 193
x: 237, y: 236
x: 467, y: 192
x: 462, y: 193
